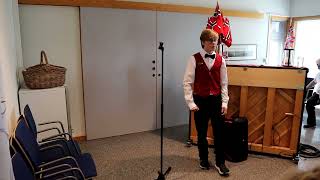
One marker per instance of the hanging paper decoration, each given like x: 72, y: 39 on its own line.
x: 289, y: 43
x: 220, y: 25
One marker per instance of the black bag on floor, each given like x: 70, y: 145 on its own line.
x: 236, y: 139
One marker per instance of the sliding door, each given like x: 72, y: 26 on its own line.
x: 118, y: 54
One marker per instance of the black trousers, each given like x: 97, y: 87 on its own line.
x: 311, y: 102
x: 209, y: 108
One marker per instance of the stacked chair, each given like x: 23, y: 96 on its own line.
x: 55, y: 157
x: 22, y: 171
x: 62, y: 138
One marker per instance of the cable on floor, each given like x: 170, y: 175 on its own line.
x: 308, y: 151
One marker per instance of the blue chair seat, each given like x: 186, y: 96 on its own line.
x: 20, y: 169
x: 87, y: 165
x: 51, y: 154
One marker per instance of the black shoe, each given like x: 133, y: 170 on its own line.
x: 309, y: 126
x: 222, y: 169
x: 204, y: 164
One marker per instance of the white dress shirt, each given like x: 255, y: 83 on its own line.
x: 189, y: 75
x: 316, y: 88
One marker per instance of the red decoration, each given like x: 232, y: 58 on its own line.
x: 289, y: 44
x: 220, y: 25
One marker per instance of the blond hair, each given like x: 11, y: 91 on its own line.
x: 207, y: 34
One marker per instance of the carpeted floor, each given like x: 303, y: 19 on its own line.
x: 137, y: 157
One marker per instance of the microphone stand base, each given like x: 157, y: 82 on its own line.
x: 163, y: 176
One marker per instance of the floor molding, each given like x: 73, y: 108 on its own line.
x: 80, y: 138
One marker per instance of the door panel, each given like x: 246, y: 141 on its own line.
x: 178, y: 47
x: 118, y: 47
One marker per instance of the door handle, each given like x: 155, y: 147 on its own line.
x: 4, y: 109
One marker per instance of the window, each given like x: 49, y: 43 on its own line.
x: 277, y: 33
x: 307, y: 45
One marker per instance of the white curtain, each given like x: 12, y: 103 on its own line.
x: 307, y: 48
x: 6, y: 172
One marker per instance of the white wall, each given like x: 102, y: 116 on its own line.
x: 280, y: 7
x: 250, y: 31
x: 304, y: 8
x: 55, y: 29
x: 10, y: 54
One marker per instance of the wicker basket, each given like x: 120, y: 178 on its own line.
x: 44, y: 75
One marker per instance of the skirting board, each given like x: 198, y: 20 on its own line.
x: 80, y: 138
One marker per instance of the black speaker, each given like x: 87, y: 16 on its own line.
x: 236, y: 139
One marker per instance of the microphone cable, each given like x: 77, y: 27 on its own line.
x: 308, y: 151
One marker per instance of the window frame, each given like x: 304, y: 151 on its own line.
x: 276, y: 18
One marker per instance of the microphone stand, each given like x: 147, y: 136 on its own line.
x: 189, y: 141
x: 162, y: 176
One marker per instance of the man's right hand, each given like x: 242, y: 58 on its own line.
x: 195, y: 108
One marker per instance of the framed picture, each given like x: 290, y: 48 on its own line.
x: 240, y: 52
